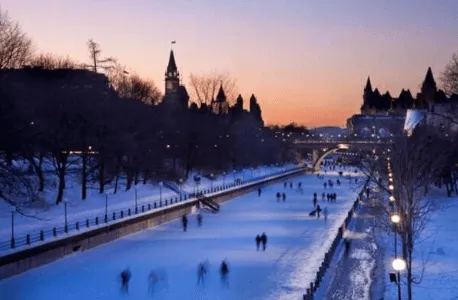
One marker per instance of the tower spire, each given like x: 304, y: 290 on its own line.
x: 429, y: 81
x: 172, y: 66
x: 368, y: 84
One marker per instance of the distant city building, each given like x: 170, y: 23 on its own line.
x: 383, y: 115
x: 176, y: 96
x: 220, y: 106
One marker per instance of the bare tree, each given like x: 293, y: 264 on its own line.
x: 96, y: 61
x: 416, y: 162
x: 134, y: 87
x: 204, y: 87
x: 50, y: 61
x: 449, y: 76
x: 15, y: 45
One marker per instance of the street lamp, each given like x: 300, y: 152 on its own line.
x: 160, y: 190
x: 13, y: 242
x: 65, y: 211
x: 395, y: 218
x: 211, y: 182
x: 181, y: 186
x: 392, y: 199
x: 391, y: 187
x: 106, y: 207
x: 136, y: 199
x: 224, y: 179
x: 399, y: 265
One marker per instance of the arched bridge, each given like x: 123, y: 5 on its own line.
x: 322, y: 148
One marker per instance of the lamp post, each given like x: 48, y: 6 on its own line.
x: 181, y: 186
x: 160, y: 190
x: 136, y: 199
x: 13, y: 242
x: 106, y: 207
x: 65, y: 211
x: 399, y: 265
x: 395, y: 219
x: 224, y: 179
x: 211, y: 182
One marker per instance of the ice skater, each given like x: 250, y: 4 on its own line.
x: 153, y: 279
x: 264, y: 241
x: 278, y: 195
x: 259, y: 192
x: 224, y: 270
x: 184, y: 221
x: 201, y: 273
x: 125, y: 278
x: 347, y: 246
x: 325, y: 213
x: 199, y: 219
x: 283, y: 195
x: 318, y: 211
x: 258, y: 242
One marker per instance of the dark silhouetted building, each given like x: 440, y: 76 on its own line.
x: 383, y: 115
x: 176, y: 95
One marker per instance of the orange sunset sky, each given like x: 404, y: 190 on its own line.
x: 306, y: 61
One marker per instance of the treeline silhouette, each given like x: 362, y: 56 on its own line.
x: 63, y: 117
x: 75, y: 118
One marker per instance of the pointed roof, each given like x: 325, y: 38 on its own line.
x: 368, y: 84
x: 377, y: 92
x: 239, y: 98
x: 172, y: 66
x: 429, y: 79
x: 221, y: 96
x: 253, y: 98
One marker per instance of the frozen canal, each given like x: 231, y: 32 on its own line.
x: 296, y: 246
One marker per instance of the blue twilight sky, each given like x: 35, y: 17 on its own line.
x: 306, y: 61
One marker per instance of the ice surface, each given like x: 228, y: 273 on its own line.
x: 49, y: 216
x: 296, y: 247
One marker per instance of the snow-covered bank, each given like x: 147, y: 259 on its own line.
x: 436, y: 252
x: 79, y: 211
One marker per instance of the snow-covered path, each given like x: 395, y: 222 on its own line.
x: 296, y: 246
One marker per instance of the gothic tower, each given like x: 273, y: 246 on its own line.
x: 172, y: 77
x: 367, y: 97
x: 428, y: 89
x: 220, y: 106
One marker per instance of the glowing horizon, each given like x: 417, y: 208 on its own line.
x: 306, y: 61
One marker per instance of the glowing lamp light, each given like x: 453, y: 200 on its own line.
x: 392, y: 199
x: 399, y: 264
x: 395, y: 218
x: 391, y: 187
